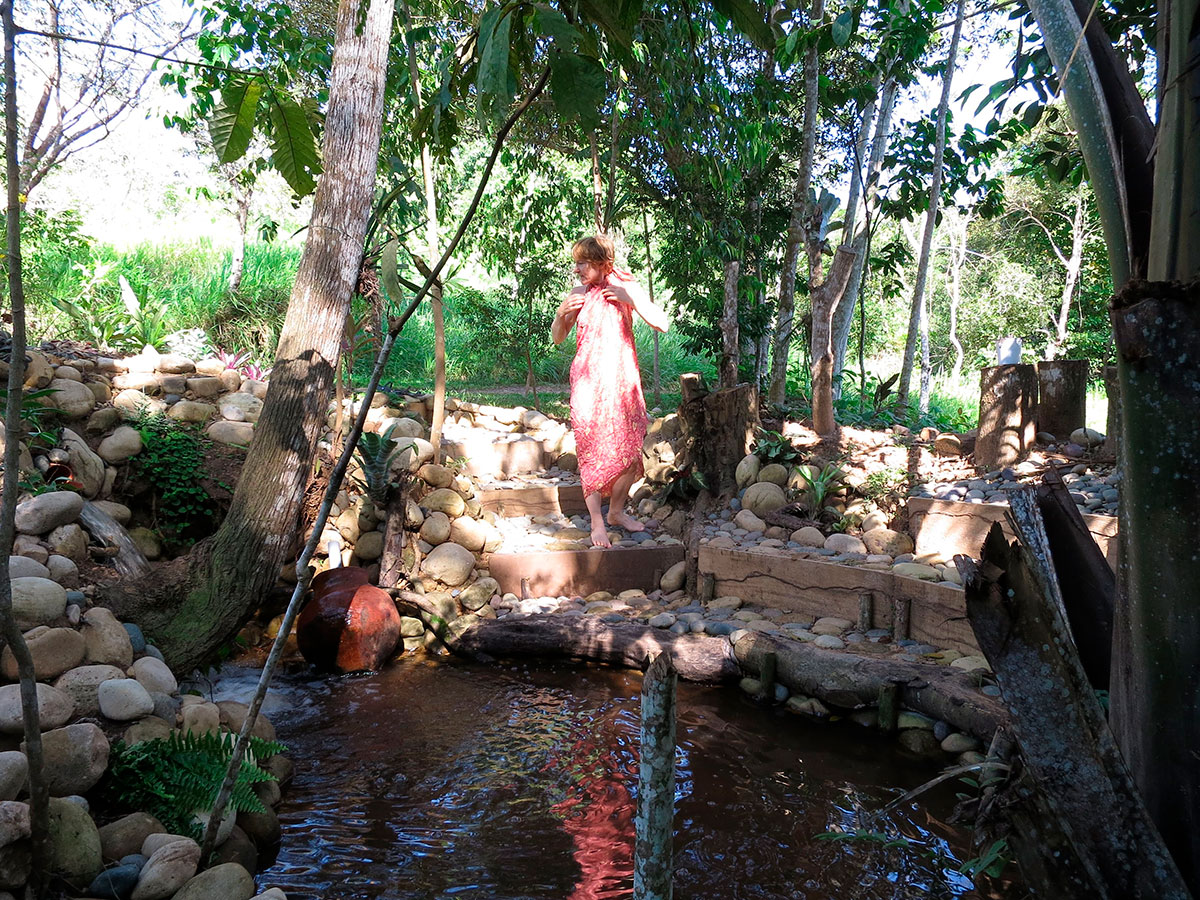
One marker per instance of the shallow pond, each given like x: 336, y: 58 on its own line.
x: 454, y: 780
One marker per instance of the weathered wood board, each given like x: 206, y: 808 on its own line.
x: 577, y: 573
x: 948, y: 527
x: 534, y: 500
x: 937, y: 613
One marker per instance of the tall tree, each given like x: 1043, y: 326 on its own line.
x: 224, y: 578
x: 917, y: 315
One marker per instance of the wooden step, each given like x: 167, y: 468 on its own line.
x: 577, y: 573
x: 495, y: 456
x: 534, y: 500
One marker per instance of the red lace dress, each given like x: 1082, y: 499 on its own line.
x: 608, y: 411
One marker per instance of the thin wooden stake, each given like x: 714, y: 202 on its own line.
x: 889, y: 706
x: 901, y: 608
x: 766, y: 676
x: 655, y: 823
x: 866, y: 611
x: 708, y: 586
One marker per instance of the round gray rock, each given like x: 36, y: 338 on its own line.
x: 124, y: 699
x: 76, y: 758
x: 228, y: 881
x: 449, y: 563
x: 124, y: 443
x: 82, y: 685
x: 763, y: 497
x: 45, y: 512
x: 37, y: 601
x: 107, y: 640
x: 55, y: 708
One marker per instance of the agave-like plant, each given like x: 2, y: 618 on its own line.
x: 374, y: 454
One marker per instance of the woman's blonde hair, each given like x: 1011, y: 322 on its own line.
x: 598, y: 248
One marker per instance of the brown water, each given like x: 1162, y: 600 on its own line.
x: 459, y: 781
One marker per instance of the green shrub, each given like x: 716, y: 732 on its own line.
x: 172, y: 461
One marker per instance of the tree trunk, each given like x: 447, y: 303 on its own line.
x: 718, y: 430
x: 1074, y: 264
x: 1062, y: 396
x: 39, y: 793
x: 1112, y: 849
x: 233, y: 570
x: 935, y: 196
x: 650, y: 288
x: 957, y: 258
x: 843, y: 315
x: 237, y: 262
x: 1007, y: 413
x: 655, y: 820
x: 1156, y: 650
x: 797, y: 223
x: 824, y: 299
x: 729, y: 327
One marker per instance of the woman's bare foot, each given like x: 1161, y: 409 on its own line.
x: 622, y: 519
x: 600, y: 535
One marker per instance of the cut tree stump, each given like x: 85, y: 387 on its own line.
x: 1062, y: 396
x: 718, y: 430
x: 1007, y: 414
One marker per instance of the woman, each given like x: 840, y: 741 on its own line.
x: 608, y: 411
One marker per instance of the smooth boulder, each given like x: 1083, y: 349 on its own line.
x: 45, y: 512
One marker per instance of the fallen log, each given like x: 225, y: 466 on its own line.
x: 1109, y: 847
x: 696, y: 657
x: 850, y: 681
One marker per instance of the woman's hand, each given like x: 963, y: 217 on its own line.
x: 568, y: 312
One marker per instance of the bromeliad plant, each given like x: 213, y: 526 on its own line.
x: 818, y: 485
x: 176, y: 779
x: 375, y: 453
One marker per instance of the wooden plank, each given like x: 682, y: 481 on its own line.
x: 534, y: 500
x: 577, y: 573
x: 951, y: 528
x: 937, y: 613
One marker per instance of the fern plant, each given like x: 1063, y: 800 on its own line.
x: 375, y: 453
x: 173, y: 778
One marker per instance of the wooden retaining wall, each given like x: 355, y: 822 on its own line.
x: 936, y: 613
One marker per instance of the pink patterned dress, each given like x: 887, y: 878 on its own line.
x: 608, y: 411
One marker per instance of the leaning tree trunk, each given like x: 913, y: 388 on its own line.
x: 824, y: 300
x: 935, y: 194
x: 1156, y: 646
x: 730, y: 349
x: 232, y: 571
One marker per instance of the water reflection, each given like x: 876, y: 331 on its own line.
x: 457, y: 781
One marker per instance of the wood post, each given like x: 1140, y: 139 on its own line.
x: 766, y: 677
x: 1007, y: 411
x: 889, y: 706
x: 1062, y: 396
x: 655, y: 821
x: 901, y: 615
x: 708, y: 586
x: 866, y: 611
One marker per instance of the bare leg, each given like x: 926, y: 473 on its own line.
x: 616, y: 507
x: 599, y: 528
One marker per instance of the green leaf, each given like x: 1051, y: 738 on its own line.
x: 577, y: 86
x: 843, y: 28
x: 293, y: 147
x: 749, y: 19
x: 390, y: 270
x: 615, y: 18
x: 495, y: 46
x: 550, y: 23
x: 232, y: 124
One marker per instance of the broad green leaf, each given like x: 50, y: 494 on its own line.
x: 293, y: 147
x: 232, y: 124
x: 749, y: 19
x: 494, y: 51
x: 616, y: 18
x: 389, y: 271
x: 843, y: 28
x: 550, y: 23
x: 577, y: 86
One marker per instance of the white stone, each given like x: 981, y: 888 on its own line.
x: 845, y: 543
x: 63, y: 570
x: 747, y: 470
x: 87, y: 466
x: 124, y: 699
x: 119, y: 512
x: 749, y: 521
x: 154, y: 675
x: 237, y: 433
x: 73, y: 399
x: 763, y: 497
x: 249, y: 405
x: 449, y: 563
x: 808, y: 536
x: 24, y: 567
x: 107, y: 640
x: 469, y: 533
x: 191, y: 411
